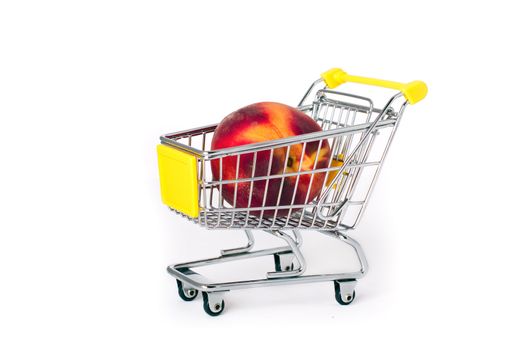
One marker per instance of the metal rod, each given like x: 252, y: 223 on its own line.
x: 266, y: 145
x: 247, y: 248
x: 298, y: 255
x: 183, y: 271
x: 226, y: 258
x: 286, y: 175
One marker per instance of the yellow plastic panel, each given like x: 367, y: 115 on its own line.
x: 178, y: 179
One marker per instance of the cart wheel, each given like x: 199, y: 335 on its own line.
x: 212, y: 306
x: 344, y: 297
x: 285, y: 267
x: 187, y: 294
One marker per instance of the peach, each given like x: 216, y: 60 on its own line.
x: 262, y: 122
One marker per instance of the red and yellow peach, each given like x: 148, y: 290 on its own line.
x: 262, y: 122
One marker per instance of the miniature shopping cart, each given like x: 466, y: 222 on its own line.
x: 359, y: 135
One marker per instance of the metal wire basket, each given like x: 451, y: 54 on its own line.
x: 358, y: 135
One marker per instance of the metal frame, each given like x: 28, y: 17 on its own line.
x: 348, y: 137
x: 192, y: 279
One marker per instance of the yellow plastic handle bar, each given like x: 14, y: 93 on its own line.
x: 414, y: 91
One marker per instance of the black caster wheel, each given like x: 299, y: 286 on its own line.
x: 345, y: 299
x: 187, y: 294
x: 212, y: 307
x: 278, y: 266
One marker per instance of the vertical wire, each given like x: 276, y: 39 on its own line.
x: 220, y: 198
x: 204, y: 194
x: 235, y: 189
x: 266, y: 187
x: 250, y: 193
x: 282, y: 180
x: 297, y: 182
x: 313, y: 176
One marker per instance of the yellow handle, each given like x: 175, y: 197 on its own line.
x: 414, y: 91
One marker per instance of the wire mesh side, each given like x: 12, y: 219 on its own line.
x: 287, y: 197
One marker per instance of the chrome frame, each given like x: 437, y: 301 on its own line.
x: 350, y: 139
x: 189, y: 277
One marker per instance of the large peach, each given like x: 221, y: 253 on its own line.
x: 262, y: 122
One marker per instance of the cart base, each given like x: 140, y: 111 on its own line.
x: 290, y: 266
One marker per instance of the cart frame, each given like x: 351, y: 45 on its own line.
x: 324, y: 214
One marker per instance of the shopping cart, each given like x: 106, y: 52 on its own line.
x: 359, y: 135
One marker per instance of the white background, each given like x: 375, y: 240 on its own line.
x: 87, y: 87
